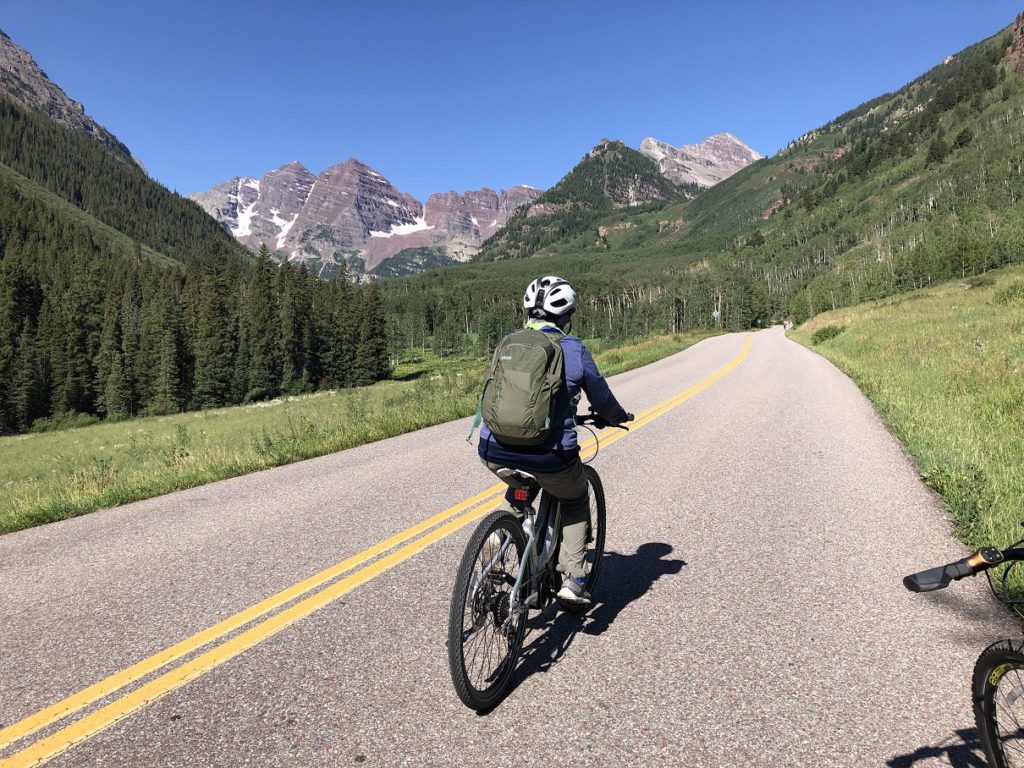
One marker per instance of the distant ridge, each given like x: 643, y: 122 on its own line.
x: 350, y: 214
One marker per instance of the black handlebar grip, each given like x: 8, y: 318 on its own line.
x: 937, y: 578
x: 629, y: 417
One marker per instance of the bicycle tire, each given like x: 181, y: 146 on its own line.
x: 594, y: 553
x: 997, y: 688
x: 479, y: 687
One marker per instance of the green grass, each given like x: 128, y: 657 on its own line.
x: 55, y: 475
x: 945, y: 368
x: 618, y: 359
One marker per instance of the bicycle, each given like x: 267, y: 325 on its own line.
x: 997, y: 685
x: 501, y: 579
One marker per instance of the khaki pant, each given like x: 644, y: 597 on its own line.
x: 571, y: 489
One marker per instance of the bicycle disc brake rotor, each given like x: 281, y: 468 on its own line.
x: 483, y: 604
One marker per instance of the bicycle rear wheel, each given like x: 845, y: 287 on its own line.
x: 594, y: 552
x: 484, y: 637
x: 998, y: 692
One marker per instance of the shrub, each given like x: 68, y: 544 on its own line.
x: 826, y: 332
x: 1010, y: 294
x: 980, y: 281
x: 257, y: 394
x: 71, y: 420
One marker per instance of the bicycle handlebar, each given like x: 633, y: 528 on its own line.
x: 940, y: 577
x: 937, y: 578
x: 601, y: 423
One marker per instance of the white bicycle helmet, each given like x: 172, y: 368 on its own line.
x: 551, y: 295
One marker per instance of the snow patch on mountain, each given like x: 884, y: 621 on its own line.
x: 245, y: 218
x: 418, y: 225
x: 285, y: 227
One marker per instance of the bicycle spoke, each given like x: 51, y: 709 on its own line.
x: 1010, y: 740
x: 484, y: 633
x: 485, y: 641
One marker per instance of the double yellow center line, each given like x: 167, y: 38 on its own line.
x: 452, y: 518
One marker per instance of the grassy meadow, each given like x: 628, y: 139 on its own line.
x: 945, y: 368
x: 54, y: 475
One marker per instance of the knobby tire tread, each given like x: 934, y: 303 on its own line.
x: 467, y: 692
x: 1002, y: 652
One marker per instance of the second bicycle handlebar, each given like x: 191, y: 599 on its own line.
x: 940, y: 577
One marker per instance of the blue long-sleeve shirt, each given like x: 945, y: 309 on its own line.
x: 561, y: 448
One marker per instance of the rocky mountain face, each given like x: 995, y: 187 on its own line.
x: 351, y: 214
x: 1015, y: 53
x: 260, y: 210
x: 705, y: 164
x: 24, y: 83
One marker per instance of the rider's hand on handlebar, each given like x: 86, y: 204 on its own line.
x: 602, y: 423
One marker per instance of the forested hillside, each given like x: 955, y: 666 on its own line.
x: 87, y: 175
x: 611, y: 177
x: 913, y: 187
x: 118, y: 297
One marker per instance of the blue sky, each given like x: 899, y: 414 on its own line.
x: 460, y: 95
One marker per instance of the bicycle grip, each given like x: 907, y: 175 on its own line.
x: 937, y: 578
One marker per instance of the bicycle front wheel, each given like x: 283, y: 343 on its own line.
x: 484, y: 634
x: 594, y: 553
x: 998, y: 692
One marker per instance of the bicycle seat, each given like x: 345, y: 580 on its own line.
x: 517, y: 478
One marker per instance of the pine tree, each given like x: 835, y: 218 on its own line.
x: 28, y: 387
x: 296, y: 309
x: 214, y: 344
x: 371, y: 352
x: 118, y: 396
x: 110, y: 345
x: 167, y: 386
x: 337, y: 322
x: 262, y: 320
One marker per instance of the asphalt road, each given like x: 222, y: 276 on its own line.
x: 750, y: 610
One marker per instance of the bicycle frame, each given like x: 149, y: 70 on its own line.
x: 537, y: 564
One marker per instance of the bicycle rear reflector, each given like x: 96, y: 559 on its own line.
x: 522, y: 494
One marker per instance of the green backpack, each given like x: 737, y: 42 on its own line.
x: 518, y: 399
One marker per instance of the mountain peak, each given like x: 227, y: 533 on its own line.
x: 603, y: 146
x: 352, y: 213
x: 706, y: 163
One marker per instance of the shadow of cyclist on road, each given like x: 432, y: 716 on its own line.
x: 961, y: 751
x: 623, y: 579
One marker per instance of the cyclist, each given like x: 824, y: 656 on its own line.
x: 550, y: 303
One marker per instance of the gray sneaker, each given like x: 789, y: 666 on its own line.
x: 572, y: 591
